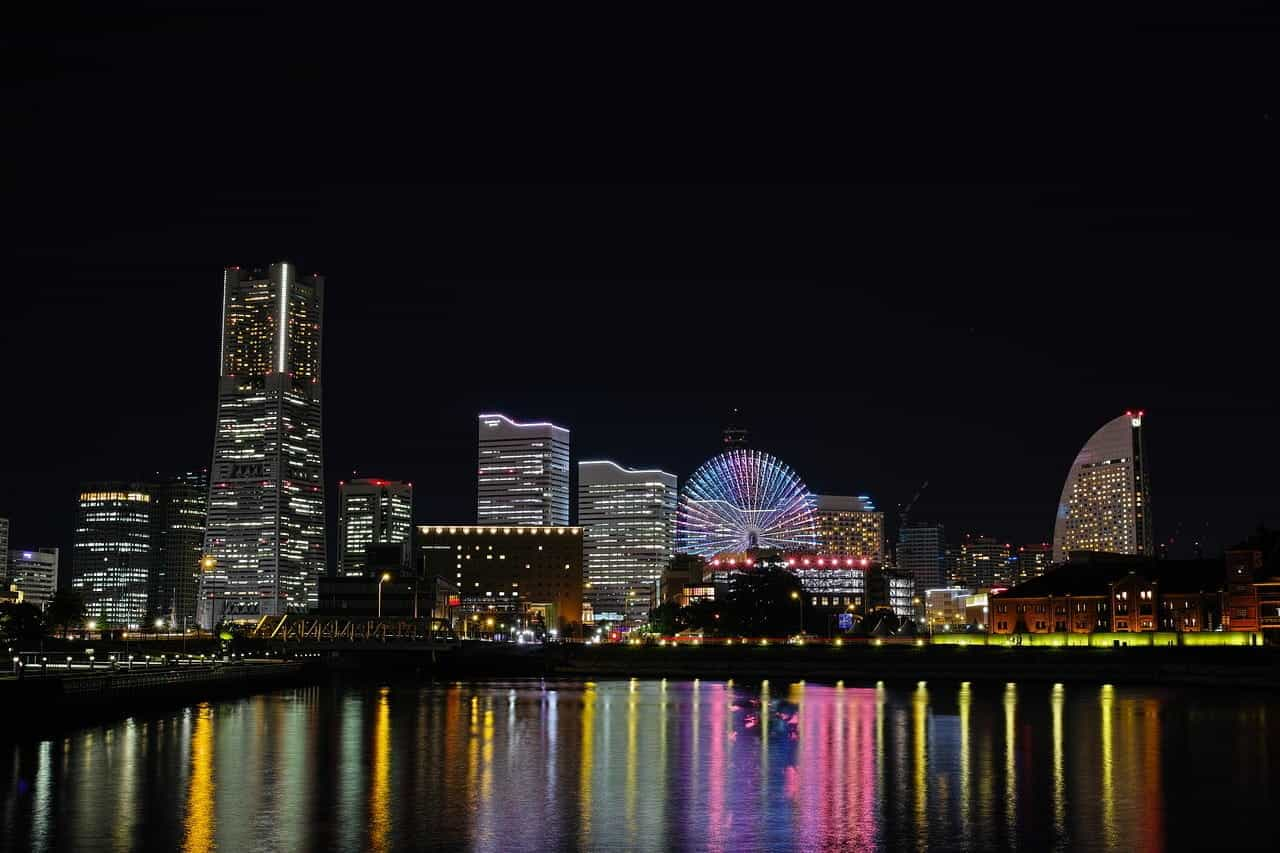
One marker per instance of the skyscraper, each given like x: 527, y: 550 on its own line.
x: 35, y: 573
x: 983, y: 562
x: 4, y: 547
x: 849, y: 525
x: 628, y: 520
x: 523, y: 472
x: 1033, y: 561
x: 922, y: 554
x: 266, y: 530
x: 179, y: 507
x: 1106, y: 500
x: 371, y: 512
x: 113, y: 551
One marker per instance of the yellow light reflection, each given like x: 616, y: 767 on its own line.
x: 1010, y: 758
x: 380, y: 792
x: 920, y: 763
x: 965, y: 703
x: 198, y: 827
x: 588, y: 751
x: 1107, y: 700
x: 1059, y: 770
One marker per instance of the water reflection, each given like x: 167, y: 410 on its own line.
x: 656, y: 765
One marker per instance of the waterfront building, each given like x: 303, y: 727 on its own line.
x: 1106, y: 501
x: 849, y: 525
x: 34, y: 574
x: 1103, y: 592
x: 520, y: 573
x: 628, y: 520
x: 523, y: 472
x: 371, y: 512
x: 266, y: 512
x: 114, y: 551
x: 1253, y: 584
x: 179, y: 506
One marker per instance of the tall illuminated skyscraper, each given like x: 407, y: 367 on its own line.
x: 371, y: 512
x: 266, y: 530
x: 1106, y: 501
x: 523, y: 472
x: 114, y: 551
x: 179, y: 510
x: 628, y: 520
x: 849, y: 525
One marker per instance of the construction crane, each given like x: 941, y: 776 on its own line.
x: 906, y: 510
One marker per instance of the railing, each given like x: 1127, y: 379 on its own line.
x: 303, y: 629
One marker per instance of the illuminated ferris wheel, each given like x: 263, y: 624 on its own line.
x: 744, y: 499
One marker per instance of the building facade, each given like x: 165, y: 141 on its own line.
x: 114, y: 552
x: 266, y: 516
x: 371, y: 512
x: 628, y: 520
x: 4, y: 547
x: 179, y: 514
x: 1105, y: 505
x: 523, y: 472
x: 1032, y: 561
x: 849, y: 525
x: 35, y: 574
x: 922, y: 555
x: 512, y: 573
x: 946, y: 609
x: 983, y: 562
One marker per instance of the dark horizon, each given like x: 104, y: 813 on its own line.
x: 921, y: 283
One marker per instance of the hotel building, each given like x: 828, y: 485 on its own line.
x: 628, y: 520
x: 849, y: 525
x: 1106, y: 501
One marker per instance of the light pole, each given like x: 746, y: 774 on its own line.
x: 385, y: 577
x: 207, y: 564
x: 800, y: 599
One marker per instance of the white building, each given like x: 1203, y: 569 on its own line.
x: 1106, y: 500
x: 35, y: 573
x: 266, y: 523
x: 523, y: 472
x: 628, y: 520
x: 371, y: 512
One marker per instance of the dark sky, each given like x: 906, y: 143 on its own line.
x: 926, y: 249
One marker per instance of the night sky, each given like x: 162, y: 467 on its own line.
x: 907, y: 255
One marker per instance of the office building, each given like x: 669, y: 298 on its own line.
x: 524, y: 575
x: 1106, y: 500
x: 4, y: 547
x: 114, y: 552
x: 922, y: 556
x: 266, y: 517
x: 983, y: 562
x: 371, y: 512
x: 34, y: 573
x: 1032, y: 561
x: 628, y: 520
x: 849, y: 525
x: 523, y: 472
x: 945, y: 609
x: 179, y: 506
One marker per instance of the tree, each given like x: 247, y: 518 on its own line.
x: 20, y: 624
x: 66, y: 609
x: 760, y: 603
x: 666, y: 619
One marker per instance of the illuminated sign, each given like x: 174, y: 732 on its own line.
x: 845, y: 621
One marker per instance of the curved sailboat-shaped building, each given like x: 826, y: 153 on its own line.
x: 1106, y: 501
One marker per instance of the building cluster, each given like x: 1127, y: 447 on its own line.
x: 246, y: 538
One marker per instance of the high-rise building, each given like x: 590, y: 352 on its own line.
x: 371, y: 512
x: 1106, y: 500
x: 4, y: 547
x: 35, y: 573
x: 179, y: 508
x: 523, y: 472
x: 628, y: 520
x: 922, y: 555
x: 114, y: 551
x: 266, y: 530
x: 849, y: 525
x: 983, y: 562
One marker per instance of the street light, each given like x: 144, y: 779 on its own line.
x: 795, y: 595
x: 386, y: 576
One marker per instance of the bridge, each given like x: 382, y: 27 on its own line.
x: 329, y: 631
